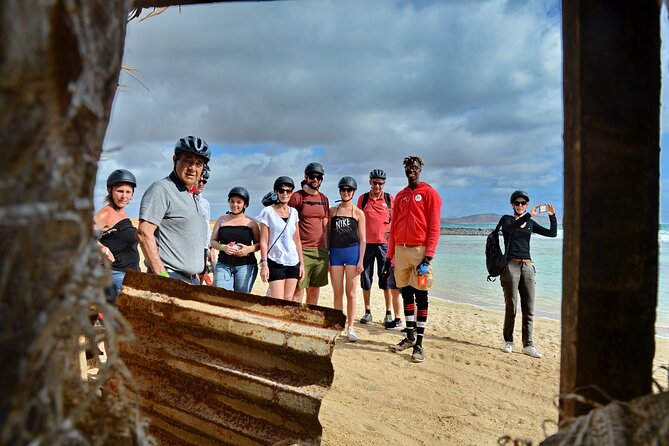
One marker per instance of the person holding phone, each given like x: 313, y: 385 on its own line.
x: 519, y: 276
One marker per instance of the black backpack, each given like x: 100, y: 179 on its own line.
x: 495, y: 259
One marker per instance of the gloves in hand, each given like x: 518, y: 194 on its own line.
x: 385, y: 269
x: 424, y: 266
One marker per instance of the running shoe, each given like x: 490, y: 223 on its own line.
x: 394, y: 325
x: 403, y: 345
x: 508, y: 347
x: 352, y: 337
x: 531, y: 351
x: 388, y: 320
x: 366, y: 319
x: 418, y: 354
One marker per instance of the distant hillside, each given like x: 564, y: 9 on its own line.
x: 487, y: 219
x: 472, y: 219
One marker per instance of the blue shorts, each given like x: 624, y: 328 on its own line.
x: 345, y: 256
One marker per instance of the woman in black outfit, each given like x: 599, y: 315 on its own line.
x: 518, y: 278
x: 118, y: 241
x: 237, y: 238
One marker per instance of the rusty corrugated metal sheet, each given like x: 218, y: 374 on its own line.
x: 213, y: 366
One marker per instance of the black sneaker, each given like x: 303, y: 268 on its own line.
x: 366, y: 319
x: 394, y: 325
x: 418, y: 354
x: 403, y: 345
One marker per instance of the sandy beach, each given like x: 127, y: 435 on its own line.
x: 467, y: 392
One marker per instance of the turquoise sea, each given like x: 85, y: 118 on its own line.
x: 460, y: 274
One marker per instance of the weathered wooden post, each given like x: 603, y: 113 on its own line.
x: 612, y: 106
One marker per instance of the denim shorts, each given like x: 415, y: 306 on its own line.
x: 376, y: 253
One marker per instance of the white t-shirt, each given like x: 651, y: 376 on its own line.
x: 284, y: 251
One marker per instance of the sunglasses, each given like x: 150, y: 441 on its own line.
x: 202, y: 181
x: 285, y: 191
x: 378, y: 183
x: 520, y: 203
x: 346, y: 189
x: 315, y: 177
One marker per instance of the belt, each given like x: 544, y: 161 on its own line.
x: 406, y: 245
x: 522, y: 260
x: 187, y: 276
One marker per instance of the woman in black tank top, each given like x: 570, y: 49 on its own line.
x: 117, y: 242
x: 237, y: 238
x: 346, y: 227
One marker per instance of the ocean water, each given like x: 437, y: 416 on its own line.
x: 460, y: 274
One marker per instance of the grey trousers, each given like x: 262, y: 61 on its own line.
x: 518, y: 279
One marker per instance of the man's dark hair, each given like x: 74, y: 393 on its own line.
x: 410, y: 160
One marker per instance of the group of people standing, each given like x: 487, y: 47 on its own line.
x: 303, y: 241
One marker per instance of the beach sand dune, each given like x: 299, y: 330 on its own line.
x: 467, y: 392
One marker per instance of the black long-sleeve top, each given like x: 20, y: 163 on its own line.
x: 517, y: 237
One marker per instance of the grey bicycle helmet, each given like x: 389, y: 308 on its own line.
x: 121, y: 176
x: 314, y: 168
x: 519, y: 193
x: 240, y: 192
x: 196, y: 146
x: 348, y: 181
x: 288, y: 181
x: 377, y: 173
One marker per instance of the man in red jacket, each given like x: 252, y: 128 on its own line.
x: 414, y: 235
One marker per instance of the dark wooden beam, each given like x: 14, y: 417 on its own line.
x: 612, y: 165
x: 162, y: 3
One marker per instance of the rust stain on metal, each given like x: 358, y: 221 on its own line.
x: 212, y: 366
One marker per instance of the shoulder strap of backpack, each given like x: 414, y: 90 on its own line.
x: 386, y: 196
x: 365, y: 199
x: 300, y: 197
x: 325, y: 204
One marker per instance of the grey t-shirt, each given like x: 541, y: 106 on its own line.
x: 182, y: 231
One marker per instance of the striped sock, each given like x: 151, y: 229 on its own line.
x: 421, y: 316
x: 409, y: 310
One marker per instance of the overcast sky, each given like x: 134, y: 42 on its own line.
x: 471, y: 86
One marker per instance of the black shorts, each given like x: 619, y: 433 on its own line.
x: 282, y: 272
x: 376, y: 253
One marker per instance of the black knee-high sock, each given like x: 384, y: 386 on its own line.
x: 409, y: 309
x: 421, y: 315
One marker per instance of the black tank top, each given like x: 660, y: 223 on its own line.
x: 237, y: 234
x: 344, y: 231
x: 121, y: 239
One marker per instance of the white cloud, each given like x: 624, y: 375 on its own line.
x: 473, y: 87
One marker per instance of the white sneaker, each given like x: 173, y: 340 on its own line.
x: 352, y: 337
x: 508, y: 347
x: 531, y: 351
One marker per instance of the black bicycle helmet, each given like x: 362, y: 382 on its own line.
x: 314, y: 168
x: 288, y: 181
x: 377, y: 173
x: 348, y: 181
x: 269, y: 199
x: 196, y: 146
x: 240, y: 192
x: 519, y: 193
x: 121, y: 176
x: 205, y: 172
